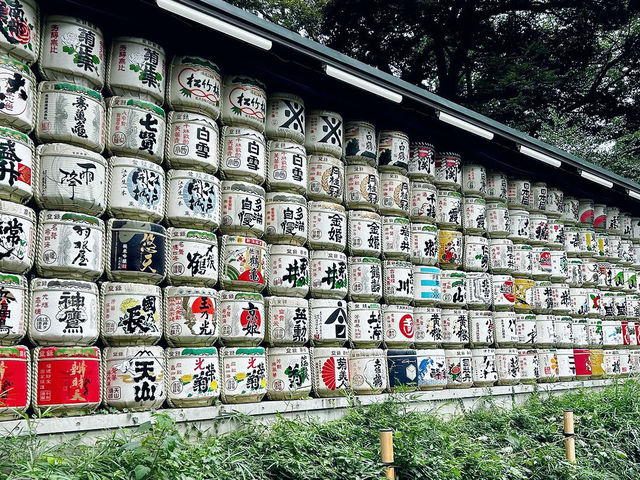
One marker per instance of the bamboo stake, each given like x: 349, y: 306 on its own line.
x: 386, y: 452
x: 569, y: 438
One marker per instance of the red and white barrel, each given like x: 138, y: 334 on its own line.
x: 287, y: 321
x: 243, y: 155
x: 191, y: 316
x: 193, y: 142
x: 422, y: 161
x: 556, y: 234
x: 397, y: 325
x: 541, y: 263
x: 241, y: 318
x: 448, y: 172
x: 17, y: 186
x: 16, y: 372
x: 194, y: 85
x: 286, y: 167
x: 586, y: 212
x: 23, y: 40
x: 330, y: 371
x: 193, y: 377
x: 423, y: 202
x: 459, y: 368
x: 539, y: 231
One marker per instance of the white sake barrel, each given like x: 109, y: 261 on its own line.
x: 479, y: 291
x: 243, y: 372
x: 330, y: 371
x: 131, y: 314
x: 244, y: 102
x: 17, y: 237
x: 368, y: 372
x: 523, y: 294
x: 620, y: 304
x: 571, y: 210
x: 563, y: 299
x: 243, y: 155
x: 137, y: 69
x: 241, y: 318
x: 612, y: 363
x: 287, y: 321
x: 192, y: 257
x: 450, y: 252
x: 424, y: 244
x: 193, y: 142
x: 329, y: 274
x: 498, y: 220
x: 579, y: 301
x: 70, y: 245
x: 455, y: 327
x: 613, y: 220
x: 448, y: 171
x: 326, y: 178
x: 539, y: 197
x: 543, y: 297
x: 475, y: 253
x: 22, y: 31
x: 18, y: 85
x: 519, y: 193
x: 396, y: 238
x: 507, y: 366
x: 528, y: 365
x: 136, y: 251
x: 503, y: 292
x: 289, y: 271
x: 615, y: 251
x: 135, y: 377
x: 627, y: 254
x: 194, y: 198
x: 63, y: 312
x: 501, y: 259
x: 626, y: 225
x: 449, y: 210
x: 393, y: 151
x: 14, y: 315
x: 559, y: 266
x: 422, y: 161
x: 324, y: 133
x: 285, y: 117
x: 506, y: 328
x: 563, y: 326
x: 16, y: 183
x: 625, y: 362
x: 365, y: 324
x: 287, y: 168
x: 594, y: 303
x: 360, y: 146
x: 327, y: 226
x: 459, y: 368
x: 193, y: 379
x: 580, y: 273
x: 484, y: 367
x: 548, y: 365
x: 579, y: 330
x: 474, y: 180
x: 556, y: 233
x: 454, y: 293
x: 522, y: 260
x: 594, y: 332
x: 541, y: 263
x: 545, y: 331
x: 573, y: 242
x: 432, y: 373
x: 555, y: 202
x: 191, y: 316
x: 474, y: 215
x: 289, y: 376
x: 244, y: 263
x: 362, y: 187
x: 364, y: 233
x: 520, y: 225
x: 608, y: 304
x: 497, y: 186
x: 588, y: 244
x: 397, y: 325
x: 365, y: 279
x: 16, y: 361
x: 135, y: 128
x: 526, y: 329
x: 481, y: 329
x: 428, y: 327
x: 423, y: 202
x: 398, y: 281
x: 539, y: 231
x: 395, y: 194
x: 427, y: 289
x: 136, y: 189
x: 243, y: 208
x: 287, y: 218
x: 193, y: 85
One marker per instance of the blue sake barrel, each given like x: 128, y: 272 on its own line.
x: 402, y: 365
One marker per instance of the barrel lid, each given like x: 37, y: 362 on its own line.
x: 134, y: 161
x: 18, y: 65
x: 52, y: 86
x: 135, y: 103
x: 189, y: 291
x: 73, y: 20
x: 67, y: 150
x: 192, y: 117
x: 58, y: 283
x: 243, y: 79
x: 195, y: 60
x: 194, y: 234
x: 275, y: 197
x: 139, y: 40
x: 12, y: 279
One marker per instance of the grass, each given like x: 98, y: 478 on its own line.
x: 491, y: 443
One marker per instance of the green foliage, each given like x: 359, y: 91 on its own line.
x: 490, y: 443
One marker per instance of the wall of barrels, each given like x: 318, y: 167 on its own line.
x: 171, y: 234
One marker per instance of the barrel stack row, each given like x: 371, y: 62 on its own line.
x: 156, y: 220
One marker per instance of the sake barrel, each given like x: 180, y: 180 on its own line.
x: 397, y: 325
x: 620, y: 304
x: 193, y: 377
x: 244, y: 263
x: 287, y: 168
x: 455, y: 327
x: 449, y: 210
x: 136, y: 189
x: 545, y: 331
x: 393, y: 151
x: 243, y: 155
x: 131, y: 314
x: 478, y: 286
x: 365, y: 279
x: 192, y: 258
x: 396, y: 238
x: 244, y: 102
x: 497, y: 186
x: 365, y: 324
x: 523, y: 294
x: 579, y: 330
x: 324, y: 133
x: 594, y: 302
x: 519, y: 193
x: 402, y: 368
x: 424, y: 244
x: 539, y: 197
x: 635, y: 229
x: 243, y: 209
x: 135, y: 129
x: 627, y: 254
x: 498, y: 220
x: 520, y: 225
x: 368, y: 371
x: 17, y: 237
x: 194, y: 198
x: 507, y: 366
x: 450, y: 253
x: 329, y: 274
x: 327, y: 226
x: 626, y: 225
x: 395, y: 194
x: 503, y: 292
x: 555, y: 202
x: 448, y: 170
x: 285, y: 117
x: 287, y: 321
x: 241, y: 318
x: 326, y: 178
x: 423, y: 202
x: 563, y: 299
x: 475, y: 253
x: 474, y: 180
x: 615, y: 248
x: 543, y: 297
x: 18, y: 87
x: 608, y: 309
x: 541, y: 263
x: 481, y: 329
x: 70, y: 245
x: 289, y: 376
x: 66, y: 380
x: 193, y: 85
x: 63, y: 312
x: 522, y: 260
x: 137, y: 69
x: 191, y: 316
x: 362, y: 187
x: 422, y: 161
x: 71, y: 178
x: 398, y: 281
x: 22, y: 29
x: 628, y: 333
x: 526, y: 329
x: 360, y: 143
x: 501, y: 259
x: 594, y: 332
x: 613, y: 220
x: 135, y: 377
x: 14, y: 301
x: 330, y: 371
x: 539, y: 232
x: 72, y: 114
x: 287, y: 218
x: 459, y: 367
x: 625, y: 362
x: 506, y: 328
x: 483, y: 370
x: 577, y: 271
x: 193, y: 142
x: 474, y: 214
x: 528, y: 365
x: 587, y: 243
x: 136, y: 251
x: 572, y: 241
x: 600, y: 216
x: 548, y: 365
x: 559, y: 266
x: 364, y: 233
x: 586, y: 212
x: 563, y: 326
x: 427, y: 289
x: 611, y: 363
x: 328, y: 321
x: 556, y: 234
x: 428, y: 327
x: 571, y: 210
x: 16, y: 366
x: 453, y: 287
x: 18, y: 166
x: 289, y: 271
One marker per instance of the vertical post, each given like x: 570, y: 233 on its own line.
x: 569, y: 438
x: 386, y: 451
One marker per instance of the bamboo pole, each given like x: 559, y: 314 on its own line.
x: 569, y: 438
x: 386, y: 452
